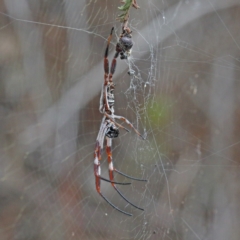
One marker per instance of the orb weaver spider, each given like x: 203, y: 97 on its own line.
x: 109, y: 128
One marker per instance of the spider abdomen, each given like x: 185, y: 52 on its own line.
x: 124, y: 46
x: 126, y: 43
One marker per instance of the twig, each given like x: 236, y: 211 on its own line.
x: 125, y: 8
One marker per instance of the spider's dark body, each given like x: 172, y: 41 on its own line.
x: 112, y: 132
x: 109, y: 128
x: 124, y: 45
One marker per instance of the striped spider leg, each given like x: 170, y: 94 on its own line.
x: 109, y: 129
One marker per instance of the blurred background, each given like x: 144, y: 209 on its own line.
x: 183, y: 96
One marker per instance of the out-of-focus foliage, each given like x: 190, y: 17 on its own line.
x: 159, y: 111
x: 125, y: 9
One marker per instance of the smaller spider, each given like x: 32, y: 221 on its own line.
x: 125, y: 44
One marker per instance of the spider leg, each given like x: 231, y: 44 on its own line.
x: 97, y: 172
x: 113, y: 66
x: 126, y: 213
x: 106, y: 72
x: 97, y: 153
x: 130, y: 177
x: 120, y: 183
x: 106, y: 64
x: 114, y: 169
x: 108, y: 85
x: 129, y: 123
x: 97, y: 168
x: 111, y: 169
x: 119, y: 125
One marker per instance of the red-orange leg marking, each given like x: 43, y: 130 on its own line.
x: 111, y: 170
x: 97, y: 169
x: 97, y: 172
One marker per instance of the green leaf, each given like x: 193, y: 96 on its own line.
x: 125, y: 7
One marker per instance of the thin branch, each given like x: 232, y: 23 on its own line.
x: 125, y: 8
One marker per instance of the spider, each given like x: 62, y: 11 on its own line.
x: 125, y: 44
x: 109, y: 129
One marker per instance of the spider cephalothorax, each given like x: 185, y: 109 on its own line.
x: 112, y: 131
x: 109, y: 128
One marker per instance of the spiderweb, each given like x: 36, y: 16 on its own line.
x: 181, y: 94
